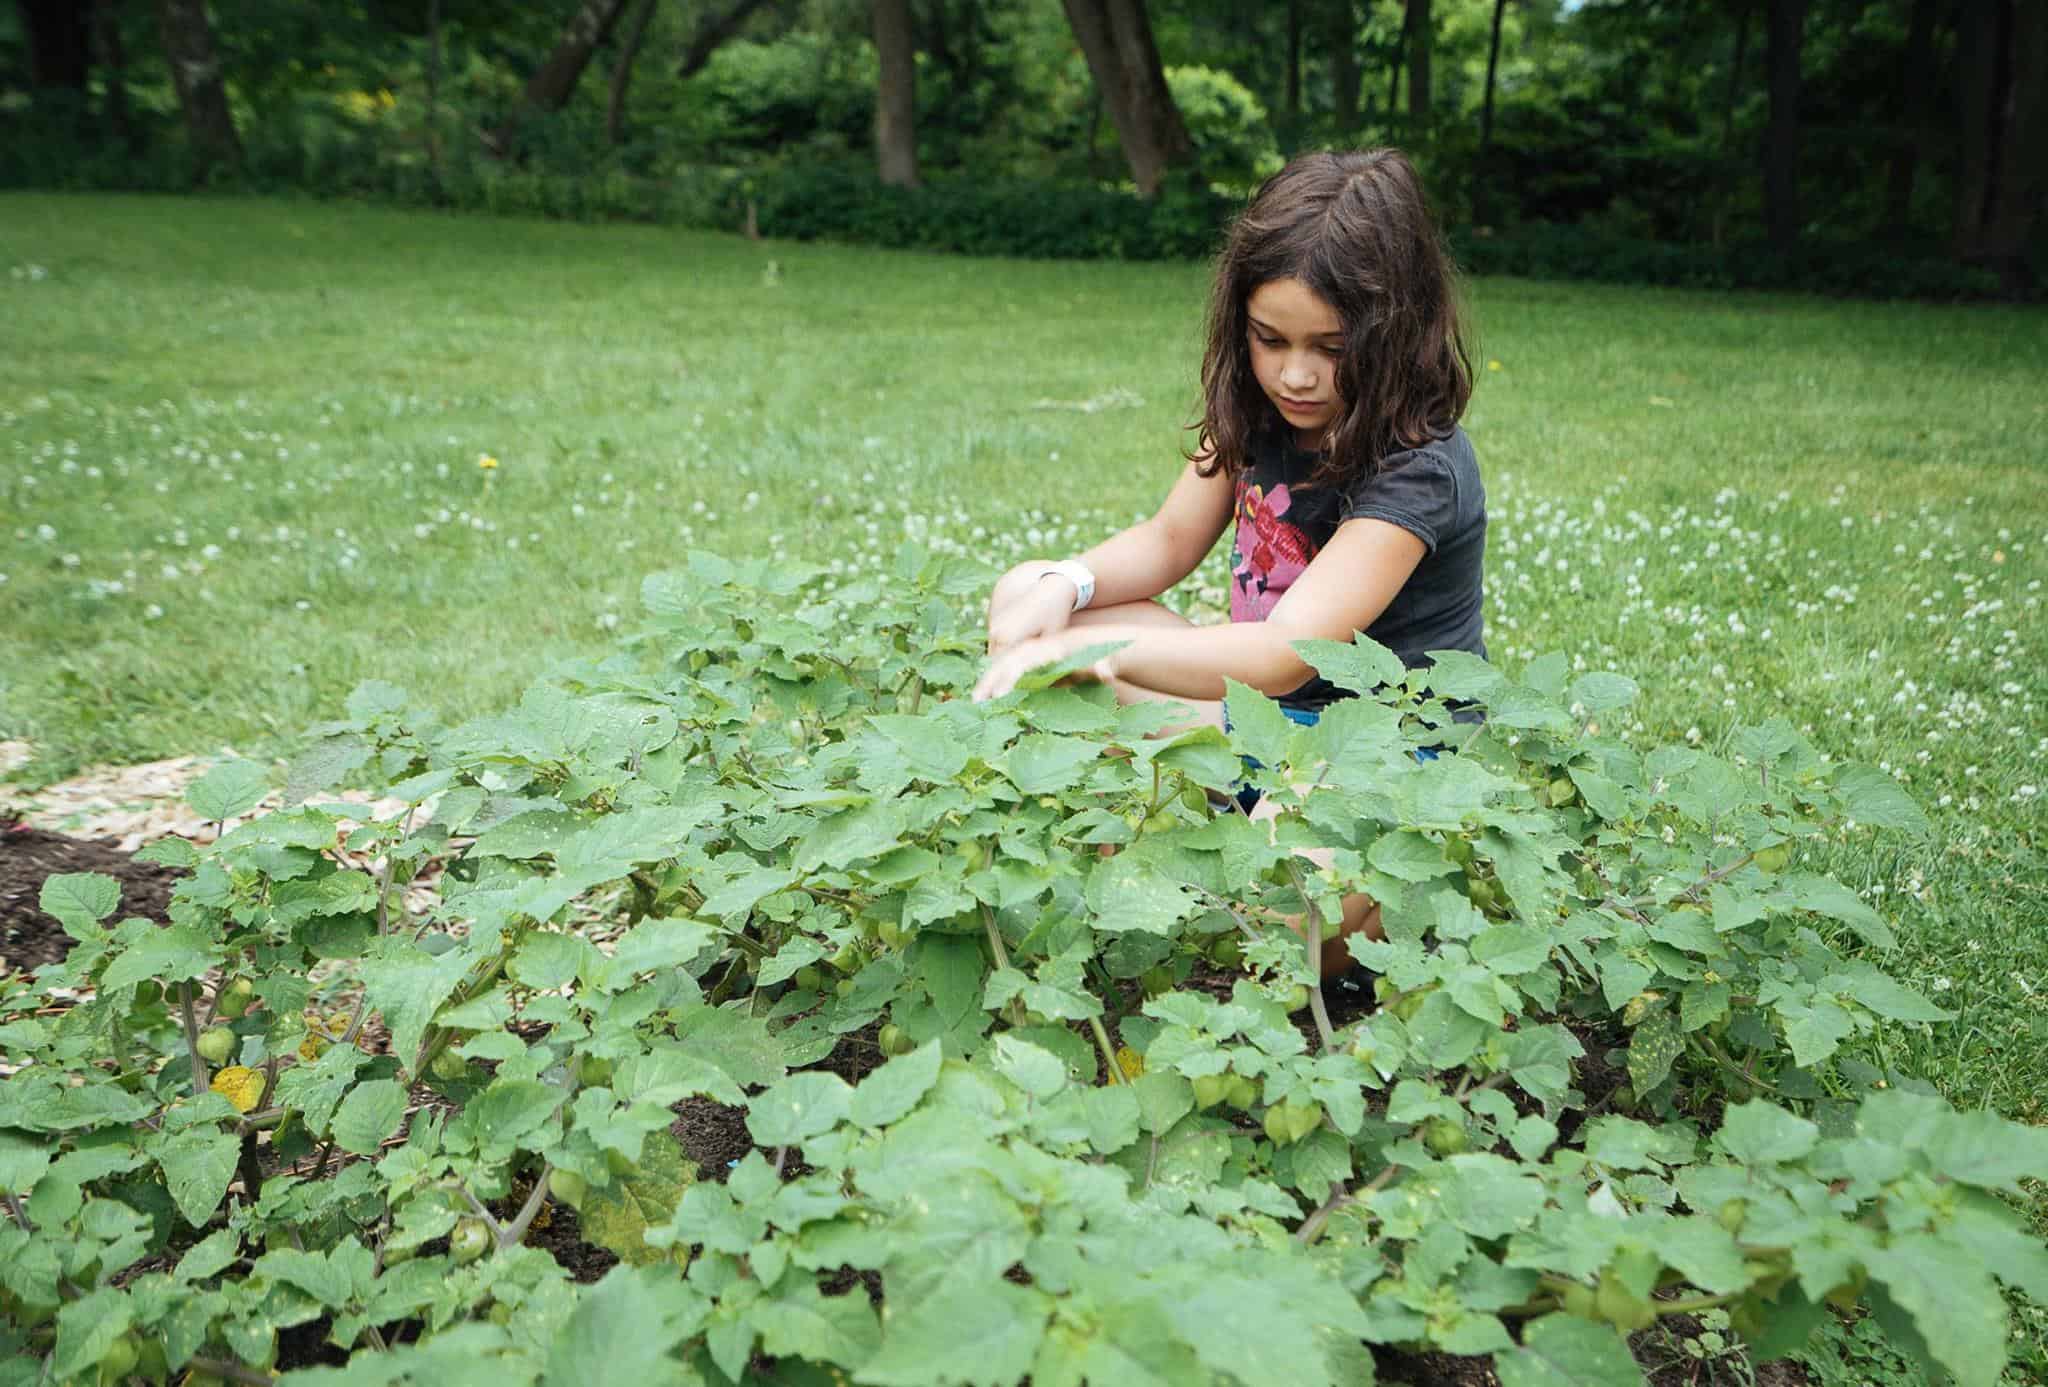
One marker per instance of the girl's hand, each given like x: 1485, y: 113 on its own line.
x: 1013, y: 664
x: 1024, y: 606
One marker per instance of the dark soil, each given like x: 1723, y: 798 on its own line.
x: 712, y: 1135
x: 559, y: 1233
x: 29, y: 938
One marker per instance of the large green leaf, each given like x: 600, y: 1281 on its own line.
x: 1563, y: 1350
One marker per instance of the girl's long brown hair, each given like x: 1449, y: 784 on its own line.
x: 1356, y: 229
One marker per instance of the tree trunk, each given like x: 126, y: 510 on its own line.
x: 895, y: 94
x: 113, y: 61
x: 2001, y: 70
x: 1918, y: 83
x: 1735, y: 75
x: 1345, y: 74
x: 59, y: 44
x: 712, y: 32
x: 434, y: 86
x: 1492, y: 67
x: 1394, y: 71
x: 622, y: 70
x: 1116, y: 39
x: 195, y: 72
x: 550, y: 88
x: 1786, y: 21
x: 1290, y: 96
x: 1420, y: 30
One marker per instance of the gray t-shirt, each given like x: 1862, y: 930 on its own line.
x: 1433, y: 492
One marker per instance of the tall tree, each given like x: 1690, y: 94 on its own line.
x: 552, y: 84
x: 1917, y: 74
x: 1419, y: 30
x: 196, y: 73
x: 1116, y: 39
x: 622, y: 70
x: 1492, y: 68
x: 113, y: 62
x: 895, y: 94
x: 2002, y: 71
x: 1786, y: 25
x: 711, y: 33
x: 1345, y: 73
x: 59, y: 45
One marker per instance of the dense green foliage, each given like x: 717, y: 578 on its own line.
x: 767, y: 834
x: 1625, y: 141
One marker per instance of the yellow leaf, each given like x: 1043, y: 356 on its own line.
x: 240, y: 1085
x: 1130, y: 1061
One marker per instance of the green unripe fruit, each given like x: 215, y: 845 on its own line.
x: 501, y: 1314
x: 234, y: 999
x: 843, y: 986
x: 1243, y: 1093
x: 893, y: 1041
x: 1194, y: 800
x: 593, y: 1072
x: 120, y: 1358
x: 216, y: 1044
x: 1211, y: 1089
x: 567, y: 1187
x: 809, y: 979
x: 1562, y: 791
x: 1458, y: 850
x: 1158, y: 823
x: 1227, y: 951
x: 891, y: 934
x: 1048, y: 802
x: 469, y: 1240
x: 1445, y: 1136
x: 1157, y: 980
x: 396, y: 1254
x: 1276, y: 1126
x: 617, y: 1164
x: 1302, y: 1118
x: 449, y: 1067
x: 1774, y: 859
x: 1297, y: 997
x: 1479, y: 891
x: 1732, y: 1215
x: 1578, y: 1300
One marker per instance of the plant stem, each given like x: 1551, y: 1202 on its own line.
x: 1312, y: 1226
x: 477, y: 1206
x: 516, y: 1229
x: 199, y: 1075
x: 13, y: 1203
x: 1713, y: 1051
x: 995, y: 937
x: 1116, y: 1071
x: 1313, y: 937
x: 233, y: 1372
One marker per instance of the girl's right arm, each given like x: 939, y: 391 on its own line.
x: 1138, y: 563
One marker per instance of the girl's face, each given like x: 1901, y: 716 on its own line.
x: 1296, y: 341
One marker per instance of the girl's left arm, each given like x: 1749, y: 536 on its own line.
x: 1342, y: 592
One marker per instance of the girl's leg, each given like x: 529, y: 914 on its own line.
x: 1361, y: 912
x: 1207, y: 712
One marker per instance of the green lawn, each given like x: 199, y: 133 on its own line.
x: 240, y: 474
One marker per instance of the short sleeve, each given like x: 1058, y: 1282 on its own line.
x: 1417, y: 490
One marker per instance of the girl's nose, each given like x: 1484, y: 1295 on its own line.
x: 1297, y: 373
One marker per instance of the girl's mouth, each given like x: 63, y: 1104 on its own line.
x: 1299, y: 406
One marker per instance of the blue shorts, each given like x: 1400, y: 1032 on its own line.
x: 1247, y: 796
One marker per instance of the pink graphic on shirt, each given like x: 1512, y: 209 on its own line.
x: 1268, y: 554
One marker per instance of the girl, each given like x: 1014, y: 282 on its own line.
x: 1332, y: 384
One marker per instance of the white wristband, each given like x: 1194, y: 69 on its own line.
x: 1075, y: 572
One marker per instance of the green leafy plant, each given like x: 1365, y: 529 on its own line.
x: 1039, y: 1079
